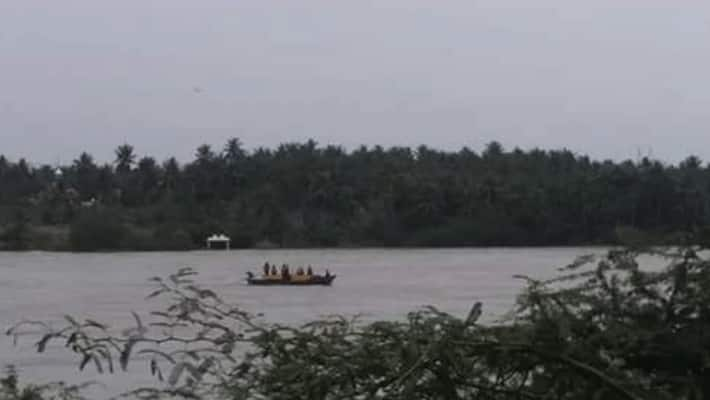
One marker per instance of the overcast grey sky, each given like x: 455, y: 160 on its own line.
x: 603, y: 77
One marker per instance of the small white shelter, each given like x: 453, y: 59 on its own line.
x: 220, y: 240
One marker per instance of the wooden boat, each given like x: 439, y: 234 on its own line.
x: 297, y: 280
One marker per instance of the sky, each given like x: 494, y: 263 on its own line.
x: 610, y: 78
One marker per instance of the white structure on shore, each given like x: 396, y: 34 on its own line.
x: 220, y: 239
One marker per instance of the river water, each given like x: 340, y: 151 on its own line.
x: 377, y: 283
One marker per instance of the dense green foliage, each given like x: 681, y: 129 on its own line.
x: 300, y: 194
x: 12, y: 389
x: 606, y: 329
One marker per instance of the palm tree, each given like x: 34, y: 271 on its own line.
x: 233, y: 151
x: 4, y: 164
x: 172, y: 173
x: 124, y: 158
x: 493, y: 150
x: 84, y: 162
x: 149, y: 178
x: 86, y: 176
x: 204, y: 154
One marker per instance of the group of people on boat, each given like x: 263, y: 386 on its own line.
x: 273, y: 275
x: 271, y: 271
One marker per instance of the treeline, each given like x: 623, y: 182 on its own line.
x: 302, y: 194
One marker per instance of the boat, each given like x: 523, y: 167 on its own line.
x: 293, y: 280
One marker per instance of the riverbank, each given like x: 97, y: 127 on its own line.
x: 113, y: 237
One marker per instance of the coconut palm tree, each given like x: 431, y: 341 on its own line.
x: 125, y: 158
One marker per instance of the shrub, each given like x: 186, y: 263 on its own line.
x: 12, y: 389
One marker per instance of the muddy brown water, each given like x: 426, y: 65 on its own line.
x: 376, y: 283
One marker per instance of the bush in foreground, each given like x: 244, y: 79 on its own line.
x: 12, y: 389
x: 605, y: 329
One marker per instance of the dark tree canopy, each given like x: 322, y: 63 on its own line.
x: 302, y: 194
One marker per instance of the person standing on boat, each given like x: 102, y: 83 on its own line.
x: 273, y: 270
x: 309, y: 271
x: 267, y: 268
x: 285, y: 274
